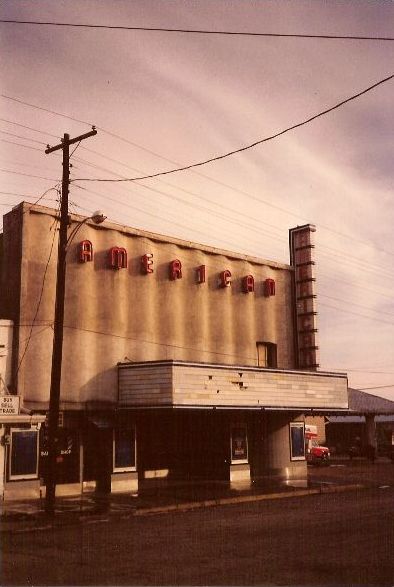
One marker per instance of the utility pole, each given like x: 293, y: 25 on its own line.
x: 56, y: 373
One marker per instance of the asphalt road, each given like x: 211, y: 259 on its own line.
x: 336, y: 539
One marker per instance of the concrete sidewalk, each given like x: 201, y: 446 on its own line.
x: 341, y: 475
x: 27, y: 515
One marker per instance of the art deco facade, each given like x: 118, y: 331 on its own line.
x: 181, y: 362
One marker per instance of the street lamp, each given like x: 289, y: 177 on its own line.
x: 98, y: 217
x: 65, y: 240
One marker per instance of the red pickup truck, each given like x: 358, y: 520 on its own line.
x: 315, y: 453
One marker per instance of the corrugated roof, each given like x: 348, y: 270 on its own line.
x: 357, y: 419
x: 366, y: 403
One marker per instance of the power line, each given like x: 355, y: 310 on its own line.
x: 259, y: 200
x: 214, y: 180
x: 258, y: 142
x: 218, y: 182
x: 148, y: 213
x: 28, y: 127
x: 45, y: 109
x: 17, y: 195
x: 39, y: 301
x: 256, y: 229
x: 353, y: 282
x: 356, y: 314
x: 355, y: 370
x: 355, y: 262
x: 4, y: 132
x: 234, y: 221
x: 20, y: 145
x: 222, y: 216
x: 354, y: 304
x: 27, y: 174
x: 376, y: 387
x: 108, y: 197
x: 199, y: 31
x: 200, y: 208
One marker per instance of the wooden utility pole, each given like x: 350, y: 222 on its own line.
x: 56, y: 373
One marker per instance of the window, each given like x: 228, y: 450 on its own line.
x: 297, y: 441
x: 239, y: 444
x: 124, y: 449
x: 23, y: 460
x: 266, y: 355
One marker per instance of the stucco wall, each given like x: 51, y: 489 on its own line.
x: 116, y: 315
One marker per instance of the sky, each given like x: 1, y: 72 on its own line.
x: 162, y: 100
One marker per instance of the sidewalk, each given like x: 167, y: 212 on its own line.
x: 158, y: 499
x: 341, y: 475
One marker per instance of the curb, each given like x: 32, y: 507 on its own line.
x: 70, y: 517
x: 244, y: 499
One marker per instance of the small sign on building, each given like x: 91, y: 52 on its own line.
x: 9, y: 405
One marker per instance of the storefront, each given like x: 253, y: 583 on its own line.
x: 219, y: 422
x: 19, y: 450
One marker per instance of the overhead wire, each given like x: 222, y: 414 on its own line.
x: 21, y: 145
x: 214, y: 180
x: 27, y: 174
x: 147, y: 212
x: 362, y: 262
x: 322, y: 295
x: 28, y: 127
x: 375, y: 387
x: 234, y: 221
x: 197, y: 31
x: 251, y: 145
x: 23, y: 138
x: 39, y: 299
x: 355, y: 304
x: 207, y: 200
x: 356, y: 314
x: 18, y: 195
x: 336, y: 308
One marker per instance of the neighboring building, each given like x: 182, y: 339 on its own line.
x: 180, y: 361
x: 19, y: 431
x: 368, y: 421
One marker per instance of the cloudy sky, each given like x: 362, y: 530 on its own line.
x: 162, y: 100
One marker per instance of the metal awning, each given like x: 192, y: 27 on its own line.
x: 182, y: 384
x: 32, y: 419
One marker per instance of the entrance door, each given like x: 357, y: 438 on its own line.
x: 203, y: 445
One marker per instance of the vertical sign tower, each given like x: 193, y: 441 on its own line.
x: 302, y: 259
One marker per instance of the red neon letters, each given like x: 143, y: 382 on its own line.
x: 225, y: 278
x: 85, y: 251
x: 269, y: 287
x: 248, y: 284
x: 118, y: 258
x: 175, y: 269
x: 200, y: 274
x: 147, y: 263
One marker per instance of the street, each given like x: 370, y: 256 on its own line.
x: 331, y: 538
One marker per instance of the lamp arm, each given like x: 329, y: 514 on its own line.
x: 75, y: 230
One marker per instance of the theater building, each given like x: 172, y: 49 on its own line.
x: 181, y: 362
